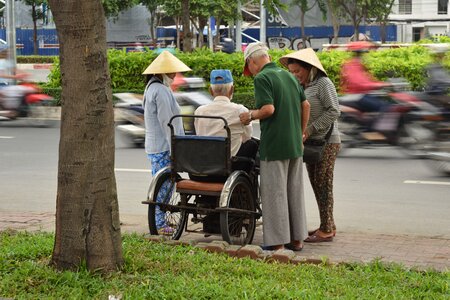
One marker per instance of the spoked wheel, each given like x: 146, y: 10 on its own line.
x: 439, y: 158
x: 440, y: 166
x: 39, y: 114
x: 174, y: 220
x: 415, y: 139
x: 348, y: 132
x: 238, y: 228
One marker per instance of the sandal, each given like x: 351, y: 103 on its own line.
x: 166, y: 230
x: 315, y: 238
x: 293, y: 248
x: 311, y: 232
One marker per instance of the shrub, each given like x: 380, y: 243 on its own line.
x: 36, y: 59
x: 126, y: 67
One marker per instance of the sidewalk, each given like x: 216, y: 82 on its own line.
x: 411, y: 251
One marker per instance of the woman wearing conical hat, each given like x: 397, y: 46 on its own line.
x: 159, y: 106
x: 322, y: 96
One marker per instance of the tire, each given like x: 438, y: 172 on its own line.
x: 348, y: 131
x: 238, y: 228
x: 415, y: 139
x: 175, y: 219
x: 438, y: 159
x: 39, y: 114
x: 439, y: 166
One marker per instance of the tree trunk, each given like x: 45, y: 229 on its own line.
x: 356, y: 27
x: 302, y: 24
x: 336, y: 24
x: 87, y: 212
x: 177, y: 24
x: 187, y: 33
x: 152, y: 26
x: 216, y: 39
x: 34, y: 16
x: 383, y: 32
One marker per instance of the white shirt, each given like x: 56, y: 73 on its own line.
x: 223, y: 107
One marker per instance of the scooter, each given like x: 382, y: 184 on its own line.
x: 25, y: 101
x: 188, y: 91
x: 403, y: 121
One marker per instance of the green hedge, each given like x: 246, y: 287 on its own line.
x: 36, y: 59
x: 126, y: 68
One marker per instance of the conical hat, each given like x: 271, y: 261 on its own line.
x: 166, y: 63
x: 307, y: 55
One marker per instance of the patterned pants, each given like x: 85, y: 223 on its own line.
x: 159, y: 161
x: 321, y: 178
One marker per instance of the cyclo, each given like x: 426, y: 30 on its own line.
x: 229, y: 207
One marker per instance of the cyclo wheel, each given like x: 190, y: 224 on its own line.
x: 166, y: 190
x: 238, y: 228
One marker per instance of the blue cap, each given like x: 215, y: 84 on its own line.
x: 221, y: 77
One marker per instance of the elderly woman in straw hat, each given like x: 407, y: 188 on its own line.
x: 321, y: 93
x: 159, y: 106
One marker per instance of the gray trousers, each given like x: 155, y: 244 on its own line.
x: 283, y: 201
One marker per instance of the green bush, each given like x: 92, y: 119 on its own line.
x: 126, y: 67
x: 35, y: 59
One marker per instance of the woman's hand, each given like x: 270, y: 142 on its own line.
x: 305, y: 136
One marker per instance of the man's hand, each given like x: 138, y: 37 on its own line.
x: 245, y: 118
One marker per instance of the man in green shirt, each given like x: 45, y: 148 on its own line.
x: 283, y: 112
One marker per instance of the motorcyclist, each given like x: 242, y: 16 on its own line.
x: 355, y: 79
x: 438, y: 80
x: 10, y: 95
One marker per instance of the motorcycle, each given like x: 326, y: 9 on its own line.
x: 189, y: 94
x: 404, y: 120
x: 438, y: 154
x: 25, y: 101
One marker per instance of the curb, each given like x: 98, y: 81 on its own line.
x: 34, y: 66
x: 248, y: 251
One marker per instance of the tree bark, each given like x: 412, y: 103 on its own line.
x: 33, y: 14
x: 187, y: 33
x: 87, y: 213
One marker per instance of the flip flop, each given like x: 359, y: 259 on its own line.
x: 318, y: 239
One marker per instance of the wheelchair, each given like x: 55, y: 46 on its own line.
x: 226, y: 203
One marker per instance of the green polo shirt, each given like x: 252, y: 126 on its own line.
x: 281, y: 133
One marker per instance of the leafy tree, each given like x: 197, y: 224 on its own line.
x: 112, y: 8
x: 304, y: 8
x: 380, y: 13
x: 356, y: 11
x: 152, y: 7
x: 36, y: 14
x: 87, y: 212
x: 336, y: 13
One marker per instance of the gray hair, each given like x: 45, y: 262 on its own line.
x: 259, y: 53
x: 221, y: 89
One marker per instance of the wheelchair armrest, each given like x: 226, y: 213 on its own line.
x: 242, y: 159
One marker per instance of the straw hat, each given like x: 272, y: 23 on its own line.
x: 166, y: 63
x: 307, y: 55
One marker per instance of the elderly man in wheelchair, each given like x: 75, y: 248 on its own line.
x: 222, y: 192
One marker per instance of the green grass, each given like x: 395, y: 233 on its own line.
x: 158, y: 271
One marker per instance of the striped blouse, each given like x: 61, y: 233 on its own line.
x: 322, y: 96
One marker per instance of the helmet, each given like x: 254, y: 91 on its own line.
x: 360, y: 46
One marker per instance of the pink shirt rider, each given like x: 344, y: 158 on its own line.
x: 356, y: 80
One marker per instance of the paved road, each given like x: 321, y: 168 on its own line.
x: 377, y: 190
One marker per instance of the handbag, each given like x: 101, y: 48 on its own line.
x: 313, y: 148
